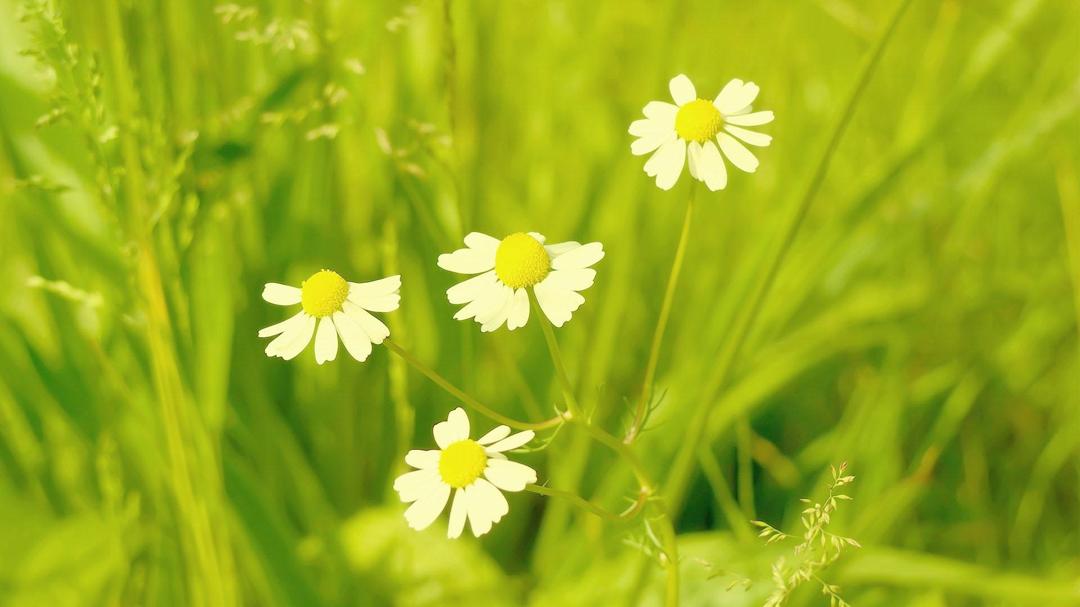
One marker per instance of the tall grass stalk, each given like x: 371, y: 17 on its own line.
x: 194, y: 472
x: 683, y: 467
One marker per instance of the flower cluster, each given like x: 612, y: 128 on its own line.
x: 508, y: 278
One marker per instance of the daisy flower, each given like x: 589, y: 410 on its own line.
x: 339, y: 308
x: 695, y: 131
x: 474, y: 470
x: 506, y: 268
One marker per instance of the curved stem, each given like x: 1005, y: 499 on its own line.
x: 623, y: 450
x: 662, y: 320
x: 556, y: 359
x: 483, y: 409
x: 588, y: 506
x: 648, y: 488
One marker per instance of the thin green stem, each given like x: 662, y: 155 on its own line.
x: 622, y: 450
x: 481, y: 408
x: 662, y: 321
x: 714, y: 475
x: 683, y: 466
x: 744, y: 439
x: 588, y: 506
x: 647, y: 487
x: 556, y: 359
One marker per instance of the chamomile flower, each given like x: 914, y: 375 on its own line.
x: 338, y: 308
x: 695, y: 131
x: 473, y: 470
x: 506, y: 268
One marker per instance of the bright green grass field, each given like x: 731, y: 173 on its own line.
x: 913, y: 312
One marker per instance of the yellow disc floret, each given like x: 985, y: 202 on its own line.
x: 521, y: 261
x: 323, y: 293
x: 698, y: 121
x: 461, y: 463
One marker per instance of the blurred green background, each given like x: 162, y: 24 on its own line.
x: 161, y: 159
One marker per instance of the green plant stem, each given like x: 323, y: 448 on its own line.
x: 724, y: 499
x: 646, y: 486
x: 588, y: 506
x: 683, y: 466
x: 662, y: 320
x: 744, y: 439
x: 556, y: 359
x: 481, y: 408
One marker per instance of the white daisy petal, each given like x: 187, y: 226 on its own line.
x: 556, y: 302
x: 751, y: 137
x: 283, y: 326
x: 384, y: 303
x: 713, y: 170
x: 646, y: 144
x: 481, y: 242
x: 375, y: 329
x: 326, y: 341
x: 735, y: 96
x: 661, y: 113
x: 376, y: 296
x: 646, y: 126
x: 497, y: 434
x: 559, y: 248
x: 294, y: 340
x: 577, y: 279
x: 454, y: 429
x: 538, y: 236
x: 281, y: 295
x: 468, y: 261
x: 693, y: 150
x: 682, y: 90
x: 375, y: 288
x: 667, y: 163
x: 471, y: 289
x: 508, y: 475
x: 486, y: 506
x: 427, y: 508
x: 485, y: 305
x: 519, y: 310
x: 424, y: 460
x: 458, y: 510
x: 356, y: 341
x: 411, y: 486
x: 581, y: 257
x: 755, y: 119
x: 737, y: 153
x: 497, y: 315
x: 511, y: 442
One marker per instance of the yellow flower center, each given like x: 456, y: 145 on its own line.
x: 698, y: 121
x: 461, y: 463
x: 323, y: 293
x: 521, y: 261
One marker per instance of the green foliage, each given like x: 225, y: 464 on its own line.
x: 160, y: 160
x: 818, y: 549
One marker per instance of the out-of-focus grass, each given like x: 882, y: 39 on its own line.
x: 922, y: 327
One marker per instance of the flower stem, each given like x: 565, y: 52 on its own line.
x: 556, y: 359
x: 588, y: 506
x: 662, y: 321
x: 623, y: 450
x: 648, y: 488
x: 443, y: 383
